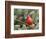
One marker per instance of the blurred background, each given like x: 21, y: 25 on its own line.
x: 26, y: 19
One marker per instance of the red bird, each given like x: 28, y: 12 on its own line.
x: 29, y: 20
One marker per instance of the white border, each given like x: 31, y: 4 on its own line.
x: 25, y: 31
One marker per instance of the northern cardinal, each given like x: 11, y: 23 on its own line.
x: 29, y: 20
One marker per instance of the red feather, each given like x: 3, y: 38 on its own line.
x: 29, y: 20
